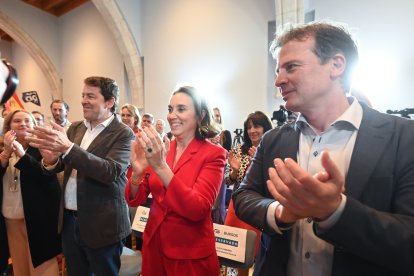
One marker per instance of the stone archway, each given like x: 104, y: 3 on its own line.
x: 34, y: 50
x: 127, y: 46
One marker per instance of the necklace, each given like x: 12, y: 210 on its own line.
x: 14, y: 175
x: 13, y: 181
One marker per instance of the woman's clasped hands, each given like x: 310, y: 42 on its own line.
x: 148, y: 149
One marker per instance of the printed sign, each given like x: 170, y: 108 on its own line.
x: 140, y: 219
x: 31, y: 96
x: 230, y: 242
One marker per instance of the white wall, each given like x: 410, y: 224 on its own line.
x: 88, y: 49
x: 31, y: 79
x: 384, y: 32
x: 218, y: 46
x: 131, y: 10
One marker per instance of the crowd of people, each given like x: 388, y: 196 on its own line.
x: 329, y: 193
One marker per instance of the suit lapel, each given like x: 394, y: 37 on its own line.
x: 103, y: 136
x: 79, y: 133
x: 187, y: 155
x: 373, y: 136
x: 290, y: 143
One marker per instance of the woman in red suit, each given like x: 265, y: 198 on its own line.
x: 184, y: 179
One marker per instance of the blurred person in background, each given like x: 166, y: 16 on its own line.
x: 159, y: 127
x: 238, y: 162
x: 39, y: 117
x: 59, y: 110
x: 147, y: 120
x: 4, y: 112
x: 130, y: 116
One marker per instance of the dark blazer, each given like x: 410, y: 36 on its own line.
x: 101, y: 179
x: 375, y: 234
x: 41, y: 197
x: 182, y: 213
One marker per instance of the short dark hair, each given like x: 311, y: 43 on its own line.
x: 148, y: 115
x: 108, y: 88
x: 59, y: 101
x: 40, y: 113
x: 207, y: 127
x: 330, y: 39
x: 257, y: 118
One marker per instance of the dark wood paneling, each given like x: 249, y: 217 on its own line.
x: 56, y: 7
x: 5, y: 36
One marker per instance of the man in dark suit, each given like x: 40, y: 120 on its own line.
x: 333, y: 193
x: 95, y: 157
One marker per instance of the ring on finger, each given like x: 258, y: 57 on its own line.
x: 149, y: 150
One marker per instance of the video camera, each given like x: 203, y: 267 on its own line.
x: 281, y: 115
x: 404, y: 112
x: 238, y: 131
x: 238, y: 139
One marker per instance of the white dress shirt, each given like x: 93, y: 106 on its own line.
x: 71, y: 187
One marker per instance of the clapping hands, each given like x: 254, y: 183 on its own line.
x: 303, y: 195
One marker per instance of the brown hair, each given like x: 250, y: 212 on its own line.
x: 207, y: 127
x: 330, y: 39
x: 109, y: 88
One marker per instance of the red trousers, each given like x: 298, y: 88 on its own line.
x: 155, y: 263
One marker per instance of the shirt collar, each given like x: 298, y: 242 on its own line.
x: 104, y: 124
x: 352, y: 116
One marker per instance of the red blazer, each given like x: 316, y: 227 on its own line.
x: 182, y: 213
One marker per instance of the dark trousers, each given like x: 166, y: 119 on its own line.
x: 82, y: 260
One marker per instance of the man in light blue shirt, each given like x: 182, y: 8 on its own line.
x: 333, y: 193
